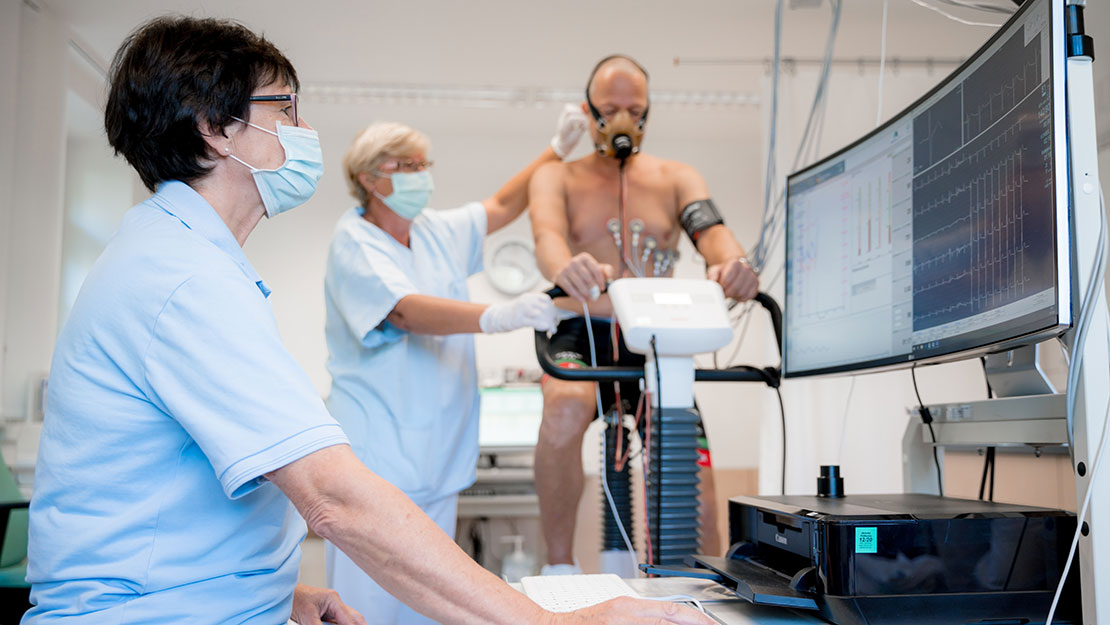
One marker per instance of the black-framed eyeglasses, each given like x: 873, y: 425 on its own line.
x: 290, y: 110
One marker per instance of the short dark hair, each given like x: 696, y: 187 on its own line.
x: 176, y: 71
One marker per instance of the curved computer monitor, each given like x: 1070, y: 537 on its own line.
x: 944, y: 233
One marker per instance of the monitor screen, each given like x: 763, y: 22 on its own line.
x: 510, y: 417
x: 943, y: 233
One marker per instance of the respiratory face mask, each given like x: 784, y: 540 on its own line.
x: 291, y: 184
x: 411, y: 192
x: 619, y: 137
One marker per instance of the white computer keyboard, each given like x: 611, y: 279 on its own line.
x: 566, y: 593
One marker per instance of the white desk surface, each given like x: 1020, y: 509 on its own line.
x: 722, y: 604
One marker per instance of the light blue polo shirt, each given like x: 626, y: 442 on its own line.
x: 170, y: 396
x: 408, y: 402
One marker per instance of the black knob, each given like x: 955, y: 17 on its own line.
x: 622, y: 146
x: 830, y: 483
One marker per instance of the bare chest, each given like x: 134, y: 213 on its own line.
x: 650, y: 211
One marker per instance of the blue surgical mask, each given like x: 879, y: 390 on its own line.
x: 295, y: 181
x: 411, y: 192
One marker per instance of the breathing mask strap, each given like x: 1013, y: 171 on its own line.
x: 596, y: 114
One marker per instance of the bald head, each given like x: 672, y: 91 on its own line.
x: 616, y: 71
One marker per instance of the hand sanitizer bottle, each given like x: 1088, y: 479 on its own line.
x: 516, y: 564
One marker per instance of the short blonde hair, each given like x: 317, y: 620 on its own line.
x: 373, y: 146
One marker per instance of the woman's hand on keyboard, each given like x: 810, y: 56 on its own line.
x: 628, y: 611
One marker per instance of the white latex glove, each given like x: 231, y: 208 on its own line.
x: 531, y: 310
x: 571, y: 126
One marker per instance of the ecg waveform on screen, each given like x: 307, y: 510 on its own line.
x: 990, y: 93
x: 986, y: 271
x: 1003, y: 81
x: 938, y: 131
x: 980, y: 231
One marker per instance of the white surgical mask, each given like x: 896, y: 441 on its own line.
x: 411, y: 192
x: 291, y: 184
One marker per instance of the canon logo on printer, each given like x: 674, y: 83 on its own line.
x: 779, y: 538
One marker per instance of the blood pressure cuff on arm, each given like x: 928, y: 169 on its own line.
x: 698, y: 217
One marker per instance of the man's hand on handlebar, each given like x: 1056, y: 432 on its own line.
x: 583, y: 278
x: 736, y: 277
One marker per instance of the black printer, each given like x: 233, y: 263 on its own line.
x: 908, y: 558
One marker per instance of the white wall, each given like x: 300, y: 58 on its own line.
x: 54, y: 91
x: 97, y: 194
x: 9, y: 72
x: 33, y: 250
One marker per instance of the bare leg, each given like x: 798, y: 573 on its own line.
x: 568, y: 408
x: 707, y: 513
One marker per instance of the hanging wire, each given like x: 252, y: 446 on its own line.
x: 774, y: 215
x: 954, y: 18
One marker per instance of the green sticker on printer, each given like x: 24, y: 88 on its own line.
x: 867, y: 540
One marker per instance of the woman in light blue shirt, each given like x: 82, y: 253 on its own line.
x: 183, y: 448
x: 400, y: 329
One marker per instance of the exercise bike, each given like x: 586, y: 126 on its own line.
x: 668, y: 320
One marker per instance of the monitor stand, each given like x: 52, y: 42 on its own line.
x: 1024, y: 370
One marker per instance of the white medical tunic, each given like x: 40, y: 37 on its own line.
x: 171, y: 396
x: 408, y: 402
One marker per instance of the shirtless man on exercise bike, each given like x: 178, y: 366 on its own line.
x: 572, y: 207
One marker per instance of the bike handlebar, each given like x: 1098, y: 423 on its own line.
x: 771, y: 376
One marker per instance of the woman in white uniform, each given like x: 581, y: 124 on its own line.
x: 400, y: 329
